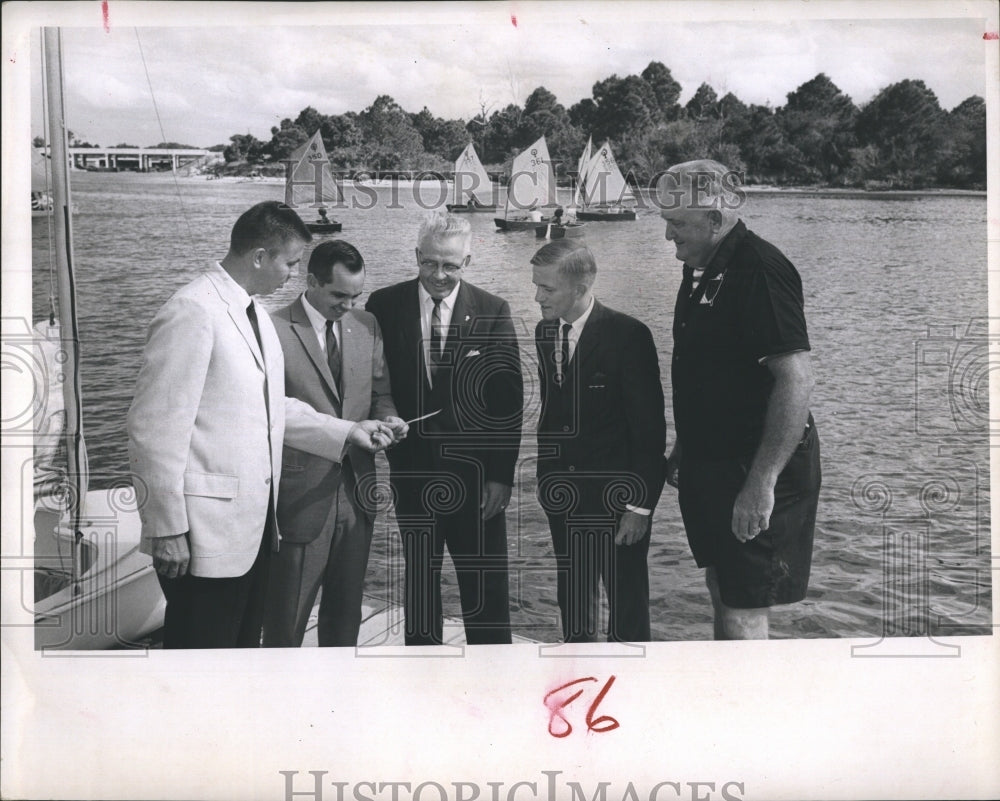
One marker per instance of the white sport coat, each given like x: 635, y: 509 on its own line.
x: 204, y: 446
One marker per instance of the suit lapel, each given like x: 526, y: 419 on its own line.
x: 239, y: 317
x: 463, y: 314
x: 590, y: 338
x: 307, y: 337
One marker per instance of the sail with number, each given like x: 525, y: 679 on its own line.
x: 310, y: 181
x: 603, y: 182
x: 532, y: 182
x: 472, y: 182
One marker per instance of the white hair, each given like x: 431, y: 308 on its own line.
x: 702, y: 184
x: 438, y: 225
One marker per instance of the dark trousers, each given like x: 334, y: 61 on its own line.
x: 217, y: 612
x: 478, y: 550
x: 336, y: 561
x: 586, y: 554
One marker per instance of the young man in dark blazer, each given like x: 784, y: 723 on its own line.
x: 452, y: 356
x: 601, y: 442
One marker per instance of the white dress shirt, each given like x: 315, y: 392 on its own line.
x: 318, y: 322
x: 426, y: 312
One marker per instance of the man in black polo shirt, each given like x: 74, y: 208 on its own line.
x: 746, y: 460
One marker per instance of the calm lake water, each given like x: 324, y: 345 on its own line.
x: 896, y: 306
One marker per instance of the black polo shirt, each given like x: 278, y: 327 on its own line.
x: 747, y: 307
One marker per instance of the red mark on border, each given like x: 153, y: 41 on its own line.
x: 555, y: 706
x: 513, y: 20
x: 991, y: 36
x: 104, y: 14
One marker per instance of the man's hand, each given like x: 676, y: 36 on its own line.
x: 496, y: 496
x: 753, y: 507
x: 631, y: 528
x: 370, y: 435
x: 171, y: 555
x: 674, y: 466
x: 398, y: 427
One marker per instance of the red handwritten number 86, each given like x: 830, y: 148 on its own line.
x: 556, y: 705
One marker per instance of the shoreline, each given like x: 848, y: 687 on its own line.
x: 752, y: 189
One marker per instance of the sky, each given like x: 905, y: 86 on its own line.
x: 215, y: 80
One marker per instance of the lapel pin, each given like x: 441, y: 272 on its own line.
x: 466, y: 318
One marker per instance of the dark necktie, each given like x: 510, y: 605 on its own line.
x: 332, y: 354
x: 252, y: 314
x: 562, y: 362
x: 437, y: 340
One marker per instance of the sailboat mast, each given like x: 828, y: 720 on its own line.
x: 63, y: 230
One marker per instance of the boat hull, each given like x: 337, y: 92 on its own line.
x: 327, y: 228
x: 117, y: 601
x: 452, y: 208
x: 605, y: 216
x: 571, y: 231
x: 518, y: 225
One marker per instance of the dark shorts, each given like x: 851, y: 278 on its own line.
x: 773, y: 567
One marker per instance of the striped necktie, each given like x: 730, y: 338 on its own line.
x: 333, y: 354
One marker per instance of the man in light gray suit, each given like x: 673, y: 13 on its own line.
x: 206, y: 428
x: 326, y: 509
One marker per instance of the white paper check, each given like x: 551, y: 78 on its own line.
x: 422, y: 417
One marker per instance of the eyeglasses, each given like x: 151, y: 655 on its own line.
x: 432, y: 266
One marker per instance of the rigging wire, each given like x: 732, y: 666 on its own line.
x: 49, y: 205
x: 163, y: 135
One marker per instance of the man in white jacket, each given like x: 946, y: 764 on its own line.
x: 206, y: 428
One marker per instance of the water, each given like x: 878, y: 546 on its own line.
x: 896, y: 305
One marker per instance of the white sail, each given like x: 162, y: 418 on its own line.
x: 311, y: 181
x: 605, y: 185
x: 471, y: 179
x: 532, y: 183
x: 581, y: 173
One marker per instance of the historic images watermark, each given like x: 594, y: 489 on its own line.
x: 313, y: 785
x: 918, y: 513
x: 663, y: 192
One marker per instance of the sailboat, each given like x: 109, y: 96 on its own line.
x: 309, y: 181
x: 532, y: 185
x: 602, y: 189
x: 474, y: 191
x: 92, y: 586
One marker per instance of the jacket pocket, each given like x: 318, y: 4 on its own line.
x: 211, y: 485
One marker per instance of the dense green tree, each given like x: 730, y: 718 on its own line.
x: 704, y: 104
x: 500, y: 141
x: 963, y: 161
x: 818, y: 120
x: 665, y: 89
x: 390, y: 142
x: 285, y: 138
x: 624, y: 106
x: 908, y: 128
x: 444, y: 138
x: 244, y: 147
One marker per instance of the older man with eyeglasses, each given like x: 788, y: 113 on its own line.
x: 746, y: 460
x: 455, y: 370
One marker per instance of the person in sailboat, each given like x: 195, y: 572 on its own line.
x: 746, y: 460
x: 601, y: 438
x: 206, y: 428
x: 323, y: 219
x: 326, y: 509
x: 454, y: 360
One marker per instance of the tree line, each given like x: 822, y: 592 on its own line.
x: 901, y: 138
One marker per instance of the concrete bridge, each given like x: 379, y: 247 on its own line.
x: 142, y: 159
